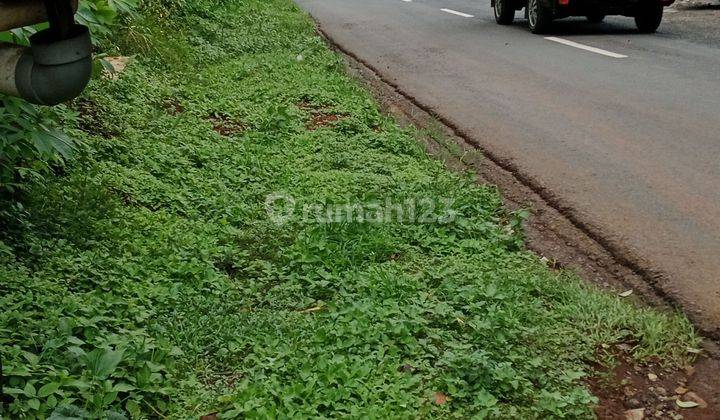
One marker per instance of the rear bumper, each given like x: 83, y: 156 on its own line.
x: 606, y: 7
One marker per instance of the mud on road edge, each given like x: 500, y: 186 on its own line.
x: 559, y: 233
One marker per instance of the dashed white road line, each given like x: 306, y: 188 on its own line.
x: 585, y: 47
x: 550, y: 38
x: 455, y: 12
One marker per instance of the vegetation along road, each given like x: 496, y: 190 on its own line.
x: 624, y: 136
x: 231, y: 227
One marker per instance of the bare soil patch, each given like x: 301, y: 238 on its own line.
x: 172, y: 106
x: 225, y: 125
x: 89, y: 120
x: 632, y: 391
x: 320, y: 116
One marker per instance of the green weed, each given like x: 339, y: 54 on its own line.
x: 149, y: 279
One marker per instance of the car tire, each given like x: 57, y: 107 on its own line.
x: 504, y: 12
x: 595, y: 17
x: 539, y: 17
x: 649, y: 16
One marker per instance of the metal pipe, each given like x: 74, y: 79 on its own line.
x: 61, y: 16
x: 9, y: 57
x: 19, y: 13
x: 51, y: 71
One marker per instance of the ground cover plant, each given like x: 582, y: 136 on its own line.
x: 161, y: 274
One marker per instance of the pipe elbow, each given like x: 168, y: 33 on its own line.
x: 53, y: 71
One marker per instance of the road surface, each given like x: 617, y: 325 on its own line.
x: 625, y: 127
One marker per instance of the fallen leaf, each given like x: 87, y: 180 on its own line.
x: 211, y: 416
x: 686, y: 404
x: 115, y: 65
x: 626, y: 293
x: 693, y: 397
x: 440, y: 398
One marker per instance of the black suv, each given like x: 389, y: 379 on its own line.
x: 540, y: 13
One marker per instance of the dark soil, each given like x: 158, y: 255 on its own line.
x: 88, y: 119
x: 322, y: 120
x: 225, y: 125
x: 173, y: 106
x: 320, y: 116
x: 654, y: 391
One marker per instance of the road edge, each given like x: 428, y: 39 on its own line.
x: 555, y: 230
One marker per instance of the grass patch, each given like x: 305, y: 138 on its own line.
x: 150, y: 279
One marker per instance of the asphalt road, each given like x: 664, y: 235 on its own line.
x: 632, y: 143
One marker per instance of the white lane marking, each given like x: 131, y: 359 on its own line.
x: 455, y: 12
x: 585, y: 47
x: 407, y: 1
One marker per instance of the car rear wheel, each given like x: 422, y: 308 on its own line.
x: 595, y: 17
x: 539, y: 17
x: 649, y: 16
x: 504, y: 12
